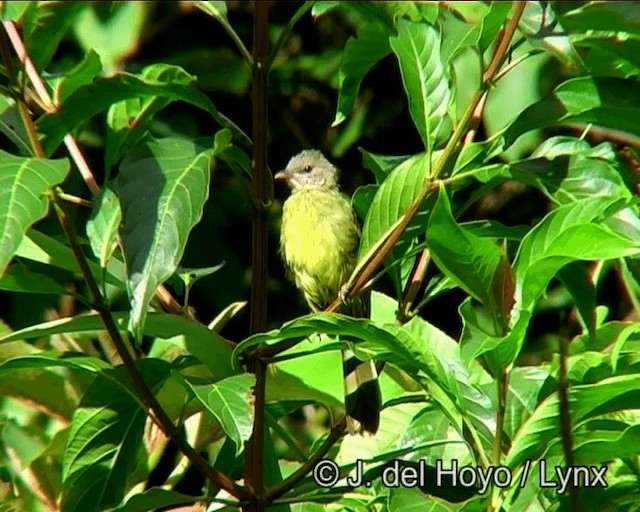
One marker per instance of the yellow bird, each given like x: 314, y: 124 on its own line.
x: 319, y: 241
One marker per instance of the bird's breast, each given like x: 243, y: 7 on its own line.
x: 319, y: 239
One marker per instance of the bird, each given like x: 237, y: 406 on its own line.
x: 319, y: 239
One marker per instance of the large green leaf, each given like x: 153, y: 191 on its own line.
x: 207, y: 346
x: 162, y: 189
x: 474, y: 263
x: 44, y: 26
x: 127, y: 120
x: 391, y: 201
x: 608, y: 102
x: 586, y: 401
x: 114, y: 32
x: 359, y: 56
x: 105, y: 440
x: 417, y: 47
x: 99, y: 95
x: 571, y: 232
x: 39, y: 247
x: 230, y: 400
x: 24, y: 183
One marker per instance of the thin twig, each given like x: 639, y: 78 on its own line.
x: 75, y: 200
x: 413, y: 286
x: 286, y: 31
x: 289, y: 483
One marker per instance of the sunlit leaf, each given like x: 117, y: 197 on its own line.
x: 24, y: 183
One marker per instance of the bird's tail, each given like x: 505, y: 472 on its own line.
x: 361, y: 394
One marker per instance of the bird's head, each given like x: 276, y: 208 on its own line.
x: 309, y: 169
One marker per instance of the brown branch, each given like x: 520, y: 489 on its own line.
x: 254, y: 456
x: 157, y: 413
x: 413, y: 286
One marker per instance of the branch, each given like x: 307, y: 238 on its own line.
x: 254, y: 456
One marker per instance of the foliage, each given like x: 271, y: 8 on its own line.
x: 500, y: 234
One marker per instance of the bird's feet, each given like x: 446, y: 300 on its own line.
x: 343, y: 295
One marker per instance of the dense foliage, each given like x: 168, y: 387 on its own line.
x: 152, y: 354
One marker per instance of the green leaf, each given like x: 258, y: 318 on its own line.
x: 12, y: 11
x: 230, y: 400
x: 19, y: 278
x: 208, y: 347
x: 162, y: 190
x: 543, y: 427
x: 128, y: 120
x: 24, y: 183
x: 538, y: 23
x: 98, y: 96
x: 44, y: 26
x: 216, y: 9
x: 381, y: 165
x: 420, y: 346
x: 608, y: 32
x: 392, y: 200
x: 417, y: 47
x: 561, y: 237
x: 525, y: 384
x: 474, y: 263
x: 576, y: 277
x: 82, y: 74
x: 156, y: 498
x: 601, y: 446
x: 105, y: 439
x: 112, y: 31
x: 102, y: 226
x: 358, y: 58
x: 608, y: 102
x: 492, y: 22
x: 25, y: 379
x: 38, y: 247
x: 362, y: 199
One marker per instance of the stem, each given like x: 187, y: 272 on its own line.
x: 286, y: 31
x: 289, y: 483
x: 415, y: 282
x: 254, y: 457
x: 565, y: 420
x: 235, y: 38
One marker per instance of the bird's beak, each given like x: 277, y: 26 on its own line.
x: 281, y: 176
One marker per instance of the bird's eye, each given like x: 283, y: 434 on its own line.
x: 307, y: 169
